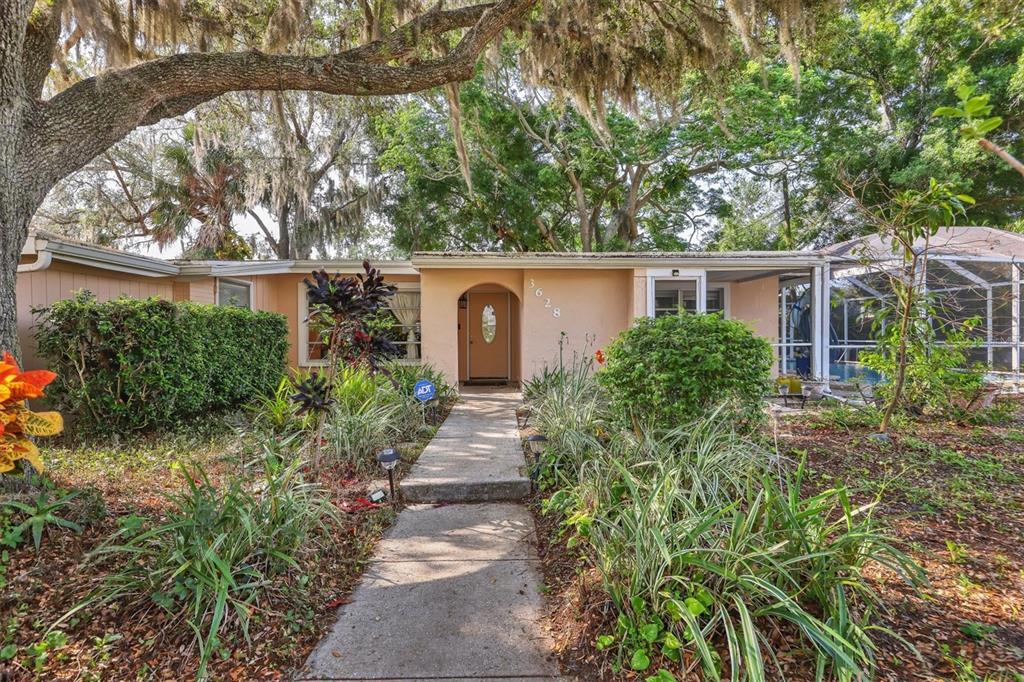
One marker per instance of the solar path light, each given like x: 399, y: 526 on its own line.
x: 388, y: 459
x: 537, y: 443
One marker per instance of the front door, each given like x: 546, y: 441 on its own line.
x: 488, y: 321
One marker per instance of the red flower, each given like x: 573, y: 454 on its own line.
x: 599, y: 356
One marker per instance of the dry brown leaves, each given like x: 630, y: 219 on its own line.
x: 953, y: 496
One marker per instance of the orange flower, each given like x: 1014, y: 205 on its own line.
x: 16, y: 420
x: 16, y: 385
x: 599, y: 356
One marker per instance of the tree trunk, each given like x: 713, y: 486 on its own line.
x: 14, y: 219
x: 901, y: 353
x: 284, y: 247
x: 787, y: 218
x: 586, y: 232
x: 15, y: 207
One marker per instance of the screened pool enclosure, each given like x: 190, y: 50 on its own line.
x: 971, y: 275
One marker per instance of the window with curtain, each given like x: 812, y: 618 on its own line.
x: 404, y: 308
x: 400, y: 323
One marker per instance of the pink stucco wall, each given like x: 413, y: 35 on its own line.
x: 639, y: 293
x: 593, y: 306
x: 281, y: 294
x: 440, y: 290
x: 757, y: 303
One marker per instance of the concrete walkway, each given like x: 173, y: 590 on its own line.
x: 475, y: 456
x: 452, y: 592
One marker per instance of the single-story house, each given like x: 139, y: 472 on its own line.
x: 500, y: 317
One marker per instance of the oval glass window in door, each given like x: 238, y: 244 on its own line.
x: 488, y: 323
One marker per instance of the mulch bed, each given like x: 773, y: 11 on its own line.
x: 953, y: 496
x: 116, y: 643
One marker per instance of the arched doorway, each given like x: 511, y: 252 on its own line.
x: 488, y: 335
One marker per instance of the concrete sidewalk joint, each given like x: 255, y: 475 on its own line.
x: 476, y: 455
x: 453, y: 591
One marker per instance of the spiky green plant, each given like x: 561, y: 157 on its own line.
x: 214, y: 556
x: 706, y: 542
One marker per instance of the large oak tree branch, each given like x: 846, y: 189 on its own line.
x: 84, y: 120
x: 41, y: 35
x: 404, y: 40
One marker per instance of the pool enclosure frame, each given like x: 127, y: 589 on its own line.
x: 972, y: 272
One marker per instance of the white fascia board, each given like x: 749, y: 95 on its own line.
x: 387, y: 267
x: 619, y: 262
x: 229, y: 268
x: 107, y: 259
x: 284, y: 267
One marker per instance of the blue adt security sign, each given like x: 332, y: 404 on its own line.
x: 424, y: 390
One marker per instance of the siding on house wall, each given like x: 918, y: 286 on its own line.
x: 180, y: 291
x: 195, y: 290
x: 62, y: 280
x: 202, y: 291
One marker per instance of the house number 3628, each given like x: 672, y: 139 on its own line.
x: 539, y: 293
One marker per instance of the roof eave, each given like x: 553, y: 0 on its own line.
x: 283, y: 267
x: 105, y: 259
x: 618, y: 261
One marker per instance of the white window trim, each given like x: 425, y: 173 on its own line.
x: 303, y: 340
x: 726, y: 297
x: 675, y: 274
x: 241, y: 282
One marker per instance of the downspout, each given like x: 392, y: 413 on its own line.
x: 43, y: 256
x: 42, y: 261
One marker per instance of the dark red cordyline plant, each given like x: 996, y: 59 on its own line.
x: 345, y: 308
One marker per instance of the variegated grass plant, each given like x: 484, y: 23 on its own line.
x: 708, y: 546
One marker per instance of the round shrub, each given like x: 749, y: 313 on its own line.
x: 672, y: 369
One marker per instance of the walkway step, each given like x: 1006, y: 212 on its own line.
x: 453, y: 592
x: 476, y: 455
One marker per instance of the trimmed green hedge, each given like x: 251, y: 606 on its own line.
x: 673, y: 369
x: 134, y: 365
